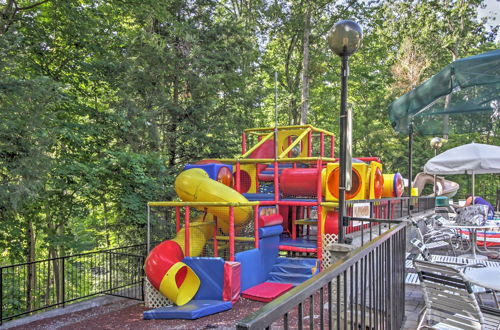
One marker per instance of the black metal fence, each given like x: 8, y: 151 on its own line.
x: 33, y: 286
x: 381, y: 215
x: 364, y: 290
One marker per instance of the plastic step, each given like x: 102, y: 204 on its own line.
x: 294, y: 279
x: 293, y: 269
x: 300, y: 261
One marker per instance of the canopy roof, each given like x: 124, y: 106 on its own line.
x: 472, y: 158
x: 473, y: 84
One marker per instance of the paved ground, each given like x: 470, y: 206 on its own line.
x: 126, y: 314
x: 123, y: 315
x: 414, y: 303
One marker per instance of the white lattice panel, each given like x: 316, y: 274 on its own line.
x: 328, y: 239
x: 153, y: 298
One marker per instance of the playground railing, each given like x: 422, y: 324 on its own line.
x: 380, y: 209
x: 363, y: 290
x: 29, y: 287
x: 182, y: 214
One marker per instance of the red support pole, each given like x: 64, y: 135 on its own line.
x: 231, y: 233
x: 319, y: 191
x: 216, y: 246
x: 321, y: 144
x: 276, y: 188
x: 309, y: 144
x: 332, y: 147
x: 294, y: 217
x: 256, y: 225
x: 177, y: 219
x: 187, y: 249
x: 243, y: 143
x: 319, y: 247
x: 238, y: 176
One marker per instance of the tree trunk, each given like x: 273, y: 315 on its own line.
x: 56, y: 264
x: 56, y: 272
x: 304, y: 108
x: 31, y: 238
x: 172, y: 127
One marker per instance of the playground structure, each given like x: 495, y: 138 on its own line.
x: 256, y: 225
x: 443, y: 187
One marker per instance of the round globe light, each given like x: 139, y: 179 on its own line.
x: 437, y: 142
x: 344, y: 38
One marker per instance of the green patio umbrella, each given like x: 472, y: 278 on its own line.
x: 464, y: 97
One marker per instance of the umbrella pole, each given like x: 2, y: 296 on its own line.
x: 410, y: 162
x: 435, y: 191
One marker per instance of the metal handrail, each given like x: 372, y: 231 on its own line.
x: 282, y: 305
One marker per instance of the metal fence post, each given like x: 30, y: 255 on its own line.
x: 110, y: 271
x: 63, y: 282
x: 1, y: 296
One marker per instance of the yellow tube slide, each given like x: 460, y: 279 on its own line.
x: 194, y: 185
x: 199, y: 232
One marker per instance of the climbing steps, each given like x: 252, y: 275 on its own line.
x: 293, y: 270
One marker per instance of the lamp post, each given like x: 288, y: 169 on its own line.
x: 344, y: 38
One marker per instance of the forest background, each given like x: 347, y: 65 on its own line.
x: 103, y: 102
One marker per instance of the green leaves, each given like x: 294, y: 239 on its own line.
x: 103, y: 103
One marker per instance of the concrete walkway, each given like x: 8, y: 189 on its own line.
x: 414, y: 303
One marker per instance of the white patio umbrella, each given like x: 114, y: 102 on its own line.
x: 472, y: 158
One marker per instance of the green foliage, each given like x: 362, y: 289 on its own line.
x: 102, y: 103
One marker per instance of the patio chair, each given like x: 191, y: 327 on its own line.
x: 450, y: 302
x: 431, y: 233
x: 451, y: 261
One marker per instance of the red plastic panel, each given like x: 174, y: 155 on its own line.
x: 299, y: 181
x: 266, y: 291
x: 232, y: 287
x: 159, y: 261
x: 270, y: 220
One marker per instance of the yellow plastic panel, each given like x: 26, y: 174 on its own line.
x: 248, y: 174
x: 179, y: 295
x: 283, y: 143
x: 360, y: 181
x: 194, y: 185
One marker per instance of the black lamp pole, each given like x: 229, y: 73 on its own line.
x: 410, y: 163
x: 343, y: 147
x: 344, y: 38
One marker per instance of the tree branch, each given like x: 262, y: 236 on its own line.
x: 30, y: 6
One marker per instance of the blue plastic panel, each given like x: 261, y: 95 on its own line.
x: 251, y: 270
x: 259, y: 197
x: 211, y: 169
x: 268, y: 245
x: 270, y: 231
x: 299, y: 242
x: 211, y: 274
x: 192, y: 310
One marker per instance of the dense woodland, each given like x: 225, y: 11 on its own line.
x: 103, y: 102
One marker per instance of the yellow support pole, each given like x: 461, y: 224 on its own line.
x: 271, y: 160
x: 236, y: 238
x: 163, y: 204
x: 330, y: 204
x: 260, y: 129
